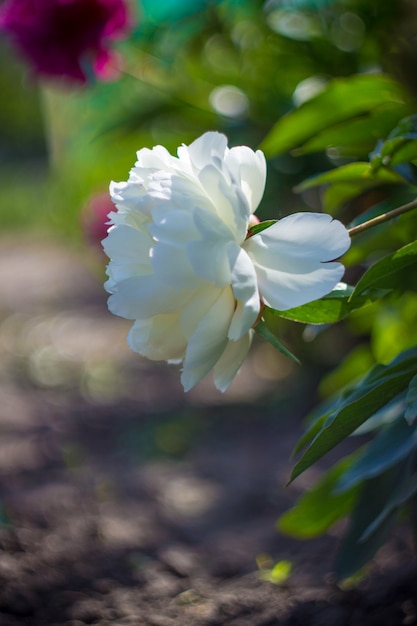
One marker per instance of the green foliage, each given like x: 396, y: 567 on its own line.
x: 263, y: 330
x: 411, y: 402
x: 345, y: 101
x: 327, y: 89
x: 320, y: 507
x: 355, y: 406
x: 367, y: 124
x: 391, y: 272
x: 349, y: 181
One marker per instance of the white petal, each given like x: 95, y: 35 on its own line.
x: 306, y: 235
x: 212, y: 182
x: 172, y: 225
x: 133, y: 204
x: 231, y: 361
x: 208, y: 148
x: 208, y: 256
x: 140, y: 297
x: 127, y: 245
x: 128, y: 250
x: 158, y: 338
x: 209, y: 340
x: 197, y: 307
x: 290, y: 259
x: 245, y: 289
x: 156, y: 159
x: 248, y: 169
x: 285, y: 290
x: 172, y: 266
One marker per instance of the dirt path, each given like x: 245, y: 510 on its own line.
x: 125, y: 502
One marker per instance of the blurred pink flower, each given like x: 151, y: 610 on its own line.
x: 66, y: 38
x: 94, y: 218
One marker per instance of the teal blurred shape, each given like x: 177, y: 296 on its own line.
x: 170, y: 10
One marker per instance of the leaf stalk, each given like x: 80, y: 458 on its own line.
x: 380, y: 219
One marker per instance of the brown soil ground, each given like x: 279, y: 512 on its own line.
x: 125, y: 501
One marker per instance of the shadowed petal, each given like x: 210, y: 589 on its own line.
x: 158, y: 338
x: 140, y: 297
x: 209, y: 341
x: 208, y: 255
x: 231, y: 361
x: 245, y: 289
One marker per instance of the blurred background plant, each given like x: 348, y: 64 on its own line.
x: 327, y: 89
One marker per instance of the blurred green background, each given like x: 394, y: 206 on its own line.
x: 234, y: 66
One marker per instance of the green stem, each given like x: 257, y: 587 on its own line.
x: 383, y: 218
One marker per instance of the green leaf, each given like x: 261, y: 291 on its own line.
x: 393, y: 443
x: 385, y: 274
x: 382, y: 384
x: 354, y: 553
x: 404, y: 489
x: 337, y: 195
x: 262, y: 328
x: 349, y: 181
x: 328, y: 310
x: 344, y: 98
x: 359, y: 173
x: 320, y: 507
x: 411, y: 402
x: 390, y: 412
x: 360, y: 133
x: 258, y: 228
x: 399, y: 147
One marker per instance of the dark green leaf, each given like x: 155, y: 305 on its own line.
x: 320, y: 507
x: 354, y: 553
x: 390, y: 412
x: 386, y: 272
x: 408, y: 171
x: 344, y: 98
x: 411, y: 402
x: 404, y: 489
x: 394, y: 442
x: 262, y: 328
x: 399, y: 147
x: 383, y: 383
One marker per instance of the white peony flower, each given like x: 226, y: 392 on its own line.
x: 181, y: 264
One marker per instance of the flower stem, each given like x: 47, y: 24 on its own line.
x: 383, y: 218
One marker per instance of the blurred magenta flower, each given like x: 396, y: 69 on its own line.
x: 95, y: 220
x: 66, y: 38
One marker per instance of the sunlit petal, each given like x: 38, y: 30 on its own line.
x: 248, y: 169
x: 291, y: 259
